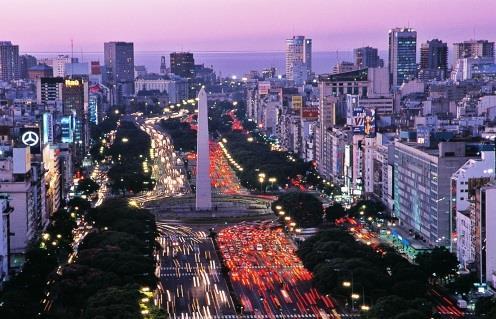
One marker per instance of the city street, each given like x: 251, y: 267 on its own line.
x: 190, y: 275
x: 268, y: 277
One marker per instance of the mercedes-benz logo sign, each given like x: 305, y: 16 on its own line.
x: 30, y: 138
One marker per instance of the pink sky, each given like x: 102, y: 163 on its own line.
x: 203, y: 25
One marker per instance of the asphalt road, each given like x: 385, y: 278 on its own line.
x: 190, y: 275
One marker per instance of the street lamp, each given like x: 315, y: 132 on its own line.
x: 261, y: 180
x: 346, y: 284
x: 272, y: 180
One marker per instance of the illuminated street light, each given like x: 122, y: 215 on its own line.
x: 278, y: 207
x: 365, y: 308
x: 346, y: 284
x: 250, y: 139
x: 355, y: 296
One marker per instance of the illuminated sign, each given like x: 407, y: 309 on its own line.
x: 263, y: 88
x: 297, y: 102
x: 70, y: 83
x: 309, y: 113
x: 30, y: 138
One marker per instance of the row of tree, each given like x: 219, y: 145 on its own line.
x: 113, y: 263
x: 394, y: 287
x: 21, y: 296
x: 305, y: 209
x: 183, y: 136
x: 129, y: 151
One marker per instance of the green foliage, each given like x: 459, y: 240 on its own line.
x: 183, y: 137
x: 129, y: 151
x: 87, y: 186
x: 334, y: 256
x: 335, y: 211
x: 486, y: 307
x: 113, y: 302
x: 438, y: 263
x: 304, y: 208
x: 257, y: 157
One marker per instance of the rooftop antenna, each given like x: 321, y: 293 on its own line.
x: 72, y: 56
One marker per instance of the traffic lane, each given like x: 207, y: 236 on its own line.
x: 188, y: 263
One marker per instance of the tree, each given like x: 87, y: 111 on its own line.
x: 306, y: 209
x: 438, y: 263
x: 370, y: 208
x: 335, y: 211
x: 411, y: 314
x: 113, y: 303
x: 87, y: 186
x: 485, y: 307
x: 388, y: 307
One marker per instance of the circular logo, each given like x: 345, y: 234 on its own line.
x: 30, y: 138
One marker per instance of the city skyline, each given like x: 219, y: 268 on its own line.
x: 365, y: 24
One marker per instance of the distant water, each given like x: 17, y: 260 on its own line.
x: 227, y: 63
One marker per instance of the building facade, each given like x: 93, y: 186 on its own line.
x: 298, y: 59
x: 402, y: 60
x: 9, y: 61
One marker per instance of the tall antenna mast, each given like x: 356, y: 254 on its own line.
x: 72, y: 57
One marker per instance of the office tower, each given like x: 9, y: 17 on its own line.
x: 203, y: 187
x: 433, y: 60
x: 26, y: 62
x: 422, y: 188
x: 75, y: 104
x: 182, y: 64
x: 58, y: 64
x: 402, y: 55
x: 39, y: 71
x: 49, y: 91
x: 95, y: 72
x: 367, y: 57
x: 9, y: 61
x: 343, y: 67
x: 473, y: 48
x: 298, y: 59
x: 119, y: 67
x: 163, y: 66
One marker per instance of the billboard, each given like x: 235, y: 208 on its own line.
x: 364, y: 121
x: 67, y: 129
x: 297, y: 102
x: 309, y: 113
x: 263, y: 88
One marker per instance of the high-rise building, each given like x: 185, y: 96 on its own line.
x: 433, y: 60
x: 26, y: 62
x: 58, y: 64
x: 119, y: 67
x: 163, y: 66
x: 182, y: 64
x: 422, y: 188
x: 402, y: 55
x: 9, y: 61
x: 298, y: 59
x: 473, y: 48
x: 367, y: 57
x: 49, y: 91
x: 343, y: 66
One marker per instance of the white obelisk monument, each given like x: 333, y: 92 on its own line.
x: 203, y: 187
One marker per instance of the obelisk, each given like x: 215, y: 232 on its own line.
x: 203, y: 187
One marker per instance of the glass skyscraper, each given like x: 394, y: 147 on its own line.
x: 402, y: 55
